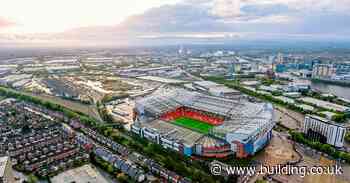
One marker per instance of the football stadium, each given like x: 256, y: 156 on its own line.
x: 198, y: 124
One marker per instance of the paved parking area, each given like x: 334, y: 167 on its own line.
x: 84, y: 174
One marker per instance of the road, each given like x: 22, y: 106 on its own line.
x: 288, y: 118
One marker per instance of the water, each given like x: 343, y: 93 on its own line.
x: 339, y: 91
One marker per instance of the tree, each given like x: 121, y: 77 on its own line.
x: 277, y: 93
x: 110, y: 168
x: 121, y: 177
x: 327, y: 148
x: 347, y: 137
x: 339, y: 118
x: 32, y: 178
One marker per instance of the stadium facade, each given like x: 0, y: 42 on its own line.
x: 202, y: 125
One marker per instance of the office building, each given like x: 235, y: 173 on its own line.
x: 323, y: 71
x: 324, y: 130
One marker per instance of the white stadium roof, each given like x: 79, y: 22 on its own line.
x: 244, y: 119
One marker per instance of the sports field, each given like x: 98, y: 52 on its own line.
x: 193, y: 124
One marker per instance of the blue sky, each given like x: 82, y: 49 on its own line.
x: 119, y: 19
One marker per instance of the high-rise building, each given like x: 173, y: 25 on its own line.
x: 323, y: 71
x: 237, y: 67
x: 279, y: 58
x: 280, y: 68
x: 324, y: 131
x: 181, y: 50
x: 6, y: 174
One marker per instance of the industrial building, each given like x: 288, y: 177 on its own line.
x: 219, y: 126
x: 325, y: 104
x: 298, y: 86
x: 215, y: 89
x: 324, y: 130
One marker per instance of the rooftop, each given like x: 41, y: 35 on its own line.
x: 174, y: 132
x: 325, y: 120
x: 241, y: 117
x: 223, y: 89
x: 207, y: 84
x: 82, y: 174
x: 162, y: 79
x: 167, y: 100
x: 3, y: 163
x: 325, y: 104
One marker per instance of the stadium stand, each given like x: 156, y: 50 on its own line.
x: 198, y: 124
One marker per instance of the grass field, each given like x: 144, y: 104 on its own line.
x: 193, y: 124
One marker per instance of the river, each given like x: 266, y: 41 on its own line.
x: 339, y: 91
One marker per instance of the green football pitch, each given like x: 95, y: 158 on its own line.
x: 193, y: 124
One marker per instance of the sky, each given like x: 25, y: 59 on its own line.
x: 45, y: 16
x: 106, y: 20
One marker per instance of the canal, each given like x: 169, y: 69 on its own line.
x: 340, y: 91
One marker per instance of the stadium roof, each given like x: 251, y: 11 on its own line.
x: 173, y: 132
x: 244, y: 119
x: 163, y: 101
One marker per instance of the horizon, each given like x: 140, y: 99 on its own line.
x: 116, y: 23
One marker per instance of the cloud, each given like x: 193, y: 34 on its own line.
x: 306, y: 5
x: 226, y: 8
x: 173, y: 18
x: 227, y: 19
x: 211, y: 19
x: 265, y: 9
x: 264, y: 16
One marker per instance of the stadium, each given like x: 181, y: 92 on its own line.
x: 197, y: 124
